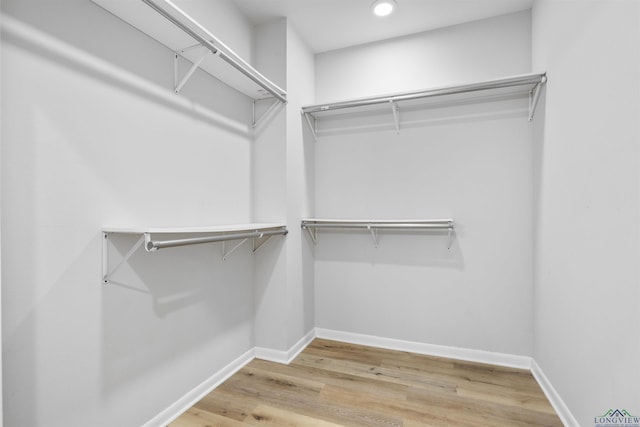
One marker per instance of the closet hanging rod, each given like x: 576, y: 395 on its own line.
x: 446, y: 225
x: 261, y: 233
x: 312, y: 226
x: 522, y: 80
x: 329, y: 223
x: 153, y: 245
x: 215, y: 46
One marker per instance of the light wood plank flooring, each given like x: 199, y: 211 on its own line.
x: 336, y: 384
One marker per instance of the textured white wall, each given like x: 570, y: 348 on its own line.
x: 92, y: 135
x: 471, y: 163
x: 587, y: 192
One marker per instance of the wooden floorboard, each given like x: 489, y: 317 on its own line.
x: 338, y: 384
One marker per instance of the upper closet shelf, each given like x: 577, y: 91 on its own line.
x: 524, y: 84
x: 155, y: 238
x: 189, y: 39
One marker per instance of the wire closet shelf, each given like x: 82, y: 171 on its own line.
x: 373, y: 226
x: 206, y: 39
x: 156, y: 238
x: 527, y: 84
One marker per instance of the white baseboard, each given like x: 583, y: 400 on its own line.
x: 480, y: 356
x: 285, y: 357
x: 189, y: 399
x: 558, y: 404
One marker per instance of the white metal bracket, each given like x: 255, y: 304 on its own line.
x: 259, y: 241
x: 313, y: 233
x: 312, y: 127
x: 534, y: 96
x: 225, y: 253
x: 192, y: 47
x: 396, y: 118
x: 449, y: 232
x: 272, y: 107
x: 374, y: 235
x: 179, y: 84
x: 106, y: 273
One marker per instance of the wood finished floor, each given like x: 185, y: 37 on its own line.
x: 337, y: 384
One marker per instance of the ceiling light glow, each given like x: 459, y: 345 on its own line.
x: 383, y: 7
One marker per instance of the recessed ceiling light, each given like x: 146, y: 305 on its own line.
x: 383, y: 7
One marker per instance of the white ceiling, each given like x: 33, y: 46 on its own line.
x: 334, y: 24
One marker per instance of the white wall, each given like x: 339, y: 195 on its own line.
x: 475, y: 51
x: 471, y: 163
x: 587, y: 192
x: 300, y: 187
x: 283, y: 189
x: 270, y: 192
x: 1, y: 382
x: 92, y: 135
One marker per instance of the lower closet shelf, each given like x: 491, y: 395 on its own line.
x: 152, y: 238
x: 373, y: 225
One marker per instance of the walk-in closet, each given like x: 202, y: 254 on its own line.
x: 320, y: 213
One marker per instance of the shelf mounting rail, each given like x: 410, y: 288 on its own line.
x: 531, y: 82
x: 204, y: 38
x: 259, y: 234
x: 312, y: 226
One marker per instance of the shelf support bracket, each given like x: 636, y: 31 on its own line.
x: 312, y: 127
x: 106, y: 274
x: 374, y: 235
x: 192, y: 47
x: 396, y: 118
x: 534, y: 96
x: 194, y: 67
x: 313, y: 233
x: 272, y: 107
x: 226, y: 254
x: 259, y: 242
x: 449, y: 232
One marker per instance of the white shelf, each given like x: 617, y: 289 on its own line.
x: 152, y: 239
x: 193, y: 229
x: 527, y: 84
x: 373, y: 225
x: 165, y: 22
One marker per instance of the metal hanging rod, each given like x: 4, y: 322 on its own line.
x: 523, y: 80
x: 531, y: 82
x: 187, y: 24
x: 312, y: 225
x: 447, y: 223
x: 154, y: 245
x: 259, y: 233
